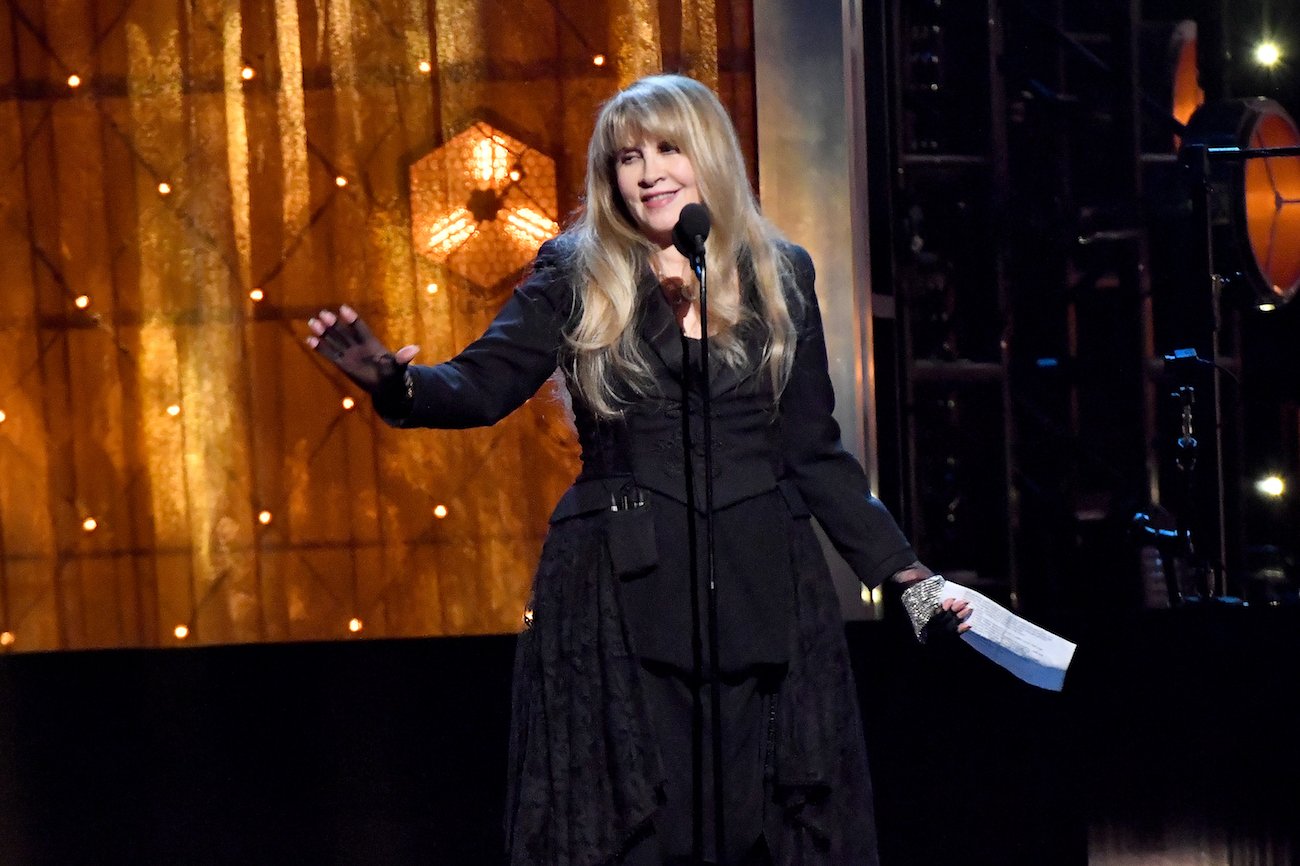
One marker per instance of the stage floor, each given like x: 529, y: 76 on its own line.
x: 1175, y: 732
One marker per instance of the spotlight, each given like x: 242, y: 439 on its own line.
x: 1268, y: 54
x: 1257, y: 200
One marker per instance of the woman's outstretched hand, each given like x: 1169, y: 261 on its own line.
x: 345, y: 340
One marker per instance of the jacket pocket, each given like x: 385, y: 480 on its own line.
x: 630, y: 533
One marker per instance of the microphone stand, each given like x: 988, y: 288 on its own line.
x: 715, y: 694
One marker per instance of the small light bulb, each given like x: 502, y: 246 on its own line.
x: 74, y: 80
x: 1271, y: 485
x: 432, y: 288
x: 82, y: 301
x: 164, y: 188
x: 340, y: 181
x: 515, y: 174
x: 440, y: 511
x: 6, y: 638
x: 355, y: 625
x: 598, y: 60
x: 1268, y: 53
x: 426, y: 67
x: 181, y: 631
x: 256, y: 295
x: 264, y: 518
x: 348, y: 403
x: 248, y: 73
x: 89, y: 524
x: 3, y: 416
x: 173, y: 410
x: 1267, y: 308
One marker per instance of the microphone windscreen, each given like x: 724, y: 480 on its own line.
x: 692, y: 230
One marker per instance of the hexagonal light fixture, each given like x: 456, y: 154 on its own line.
x: 482, y: 204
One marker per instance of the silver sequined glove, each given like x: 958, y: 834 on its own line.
x: 922, y: 602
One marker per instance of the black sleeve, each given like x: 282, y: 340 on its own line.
x: 496, y: 373
x: 830, y: 479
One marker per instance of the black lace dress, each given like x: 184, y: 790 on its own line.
x: 598, y: 771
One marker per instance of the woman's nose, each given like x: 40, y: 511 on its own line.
x: 650, y: 170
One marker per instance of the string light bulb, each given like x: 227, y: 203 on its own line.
x: 598, y: 60
x: 74, y: 80
x: 440, y: 511
x: 340, y: 181
x: 174, y: 410
x: 516, y: 174
x: 348, y: 404
x: 164, y: 188
x: 256, y: 295
x: 264, y: 518
x: 90, y: 524
x: 355, y: 625
x: 432, y: 288
x: 7, y: 638
x: 181, y: 631
x: 82, y: 301
x: 248, y: 73
x: 3, y: 416
x: 426, y: 67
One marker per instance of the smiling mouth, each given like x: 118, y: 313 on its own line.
x: 658, y: 198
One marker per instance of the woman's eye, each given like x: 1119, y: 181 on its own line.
x: 628, y: 157
x: 667, y: 147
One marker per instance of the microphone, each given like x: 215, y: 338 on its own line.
x: 691, y: 231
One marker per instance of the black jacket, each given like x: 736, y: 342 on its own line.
x: 791, y: 455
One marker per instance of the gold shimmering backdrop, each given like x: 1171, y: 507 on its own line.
x: 181, y: 185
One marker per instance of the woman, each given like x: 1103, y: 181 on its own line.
x: 610, y: 762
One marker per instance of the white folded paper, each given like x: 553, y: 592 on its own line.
x: 1032, y: 653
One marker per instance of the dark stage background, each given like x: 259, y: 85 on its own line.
x: 392, y: 752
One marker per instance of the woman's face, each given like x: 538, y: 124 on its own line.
x: 656, y: 180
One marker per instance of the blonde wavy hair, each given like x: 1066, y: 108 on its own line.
x: 610, y: 254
